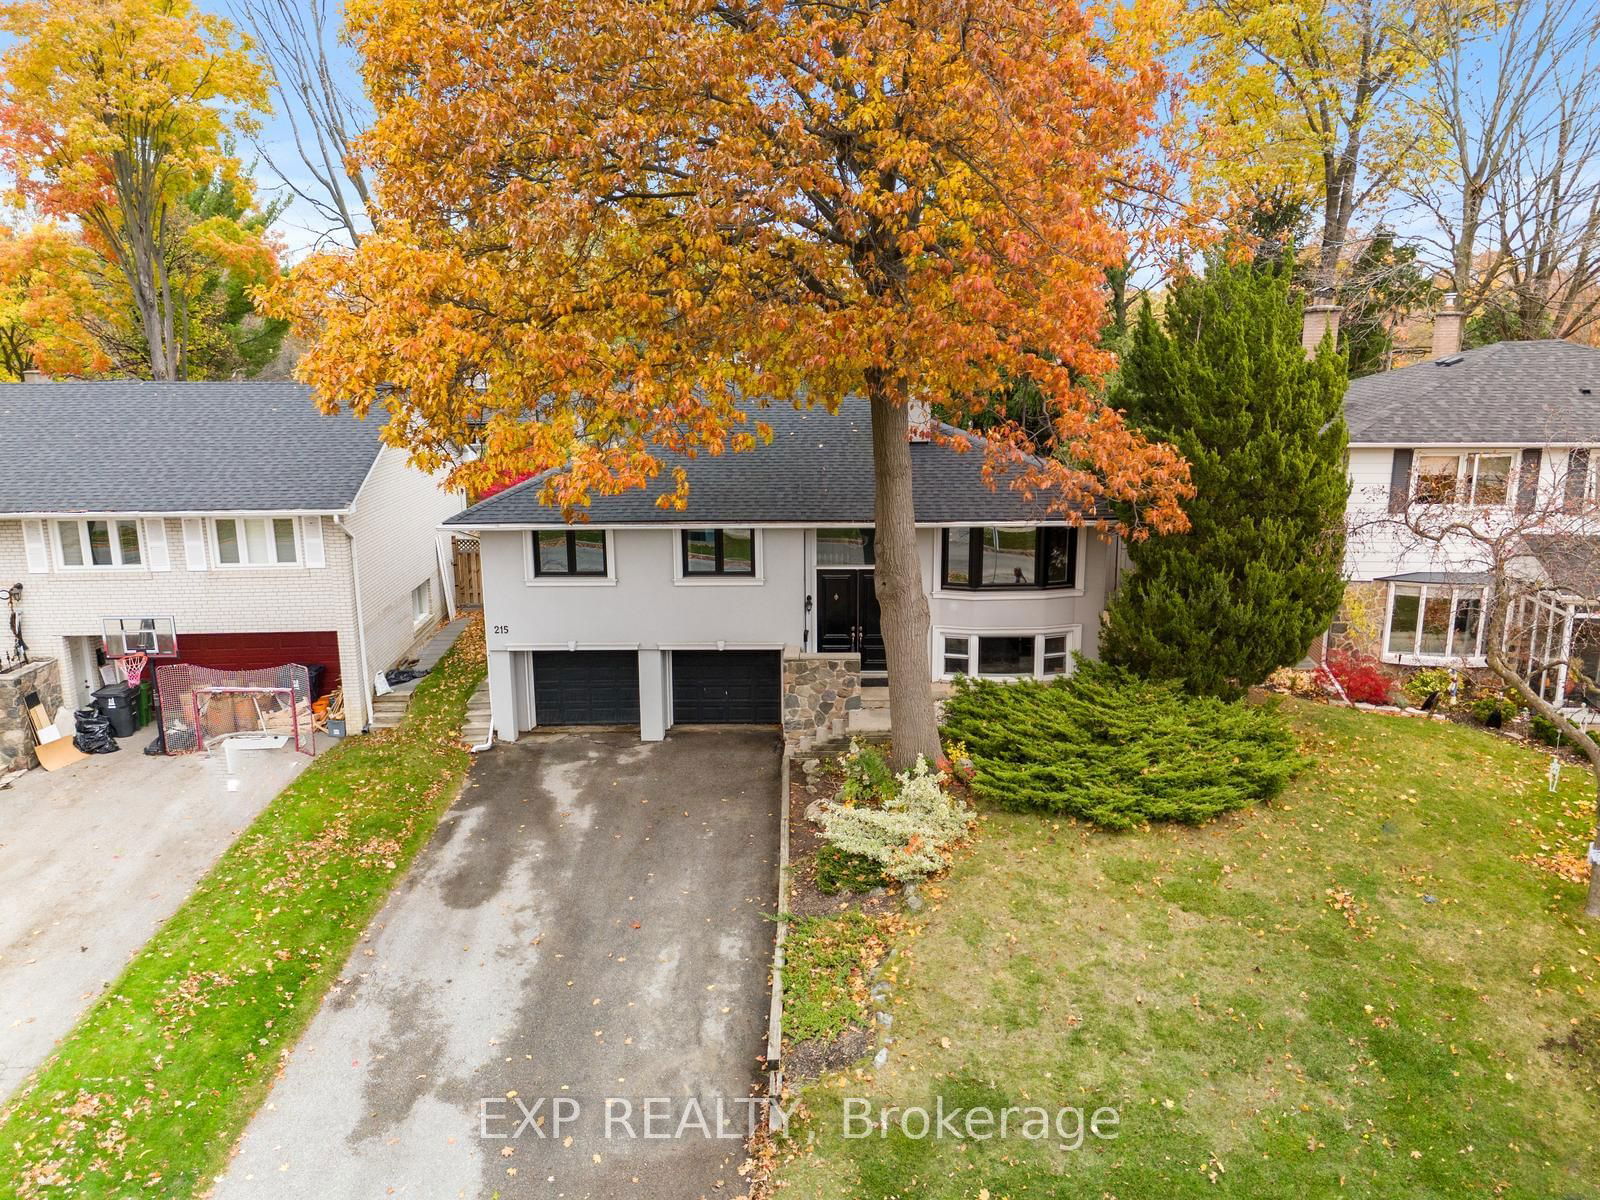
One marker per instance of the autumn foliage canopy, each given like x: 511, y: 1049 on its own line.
x: 603, y: 225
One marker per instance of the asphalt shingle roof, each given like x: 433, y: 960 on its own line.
x: 817, y: 470
x: 1509, y: 394
x: 129, y: 446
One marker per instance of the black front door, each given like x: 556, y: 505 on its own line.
x: 847, y: 618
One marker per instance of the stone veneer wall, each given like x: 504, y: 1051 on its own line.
x: 16, y: 735
x: 817, y: 688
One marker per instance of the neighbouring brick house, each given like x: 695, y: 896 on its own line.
x: 256, y: 528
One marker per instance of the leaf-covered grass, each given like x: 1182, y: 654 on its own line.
x: 825, y: 961
x: 145, y: 1097
x: 1117, y: 750
x: 1367, y: 989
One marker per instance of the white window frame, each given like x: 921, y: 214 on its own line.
x: 111, y: 523
x: 1074, y: 644
x: 532, y: 578
x: 244, y: 564
x: 420, y: 615
x: 1467, y: 462
x: 1452, y: 653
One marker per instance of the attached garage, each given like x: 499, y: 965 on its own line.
x: 586, y: 687
x: 726, y: 687
x: 253, y: 651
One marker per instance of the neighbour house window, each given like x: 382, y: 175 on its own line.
x: 1007, y: 655
x: 719, y: 552
x: 255, y: 541
x: 569, y: 552
x: 98, y: 543
x: 421, y: 602
x: 1435, y: 621
x: 846, y: 547
x: 984, y: 557
x: 1482, y: 478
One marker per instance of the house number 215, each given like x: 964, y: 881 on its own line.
x: 502, y: 629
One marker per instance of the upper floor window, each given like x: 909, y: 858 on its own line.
x: 255, y: 541
x: 998, y: 557
x: 569, y: 552
x: 719, y: 552
x: 1479, y: 477
x: 98, y: 543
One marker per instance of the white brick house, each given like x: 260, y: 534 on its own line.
x: 267, y: 531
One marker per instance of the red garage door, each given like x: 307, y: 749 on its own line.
x: 252, y: 651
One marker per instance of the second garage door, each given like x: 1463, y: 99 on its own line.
x: 726, y: 687
x: 586, y: 687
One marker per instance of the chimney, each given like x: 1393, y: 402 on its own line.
x: 1447, y: 326
x: 920, y: 418
x: 32, y: 376
x: 1321, y: 320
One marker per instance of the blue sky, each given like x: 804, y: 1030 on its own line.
x: 300, y: 225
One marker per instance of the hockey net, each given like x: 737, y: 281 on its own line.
x: 202, y: 706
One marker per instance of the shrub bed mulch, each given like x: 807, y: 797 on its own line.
x: 806, y: 899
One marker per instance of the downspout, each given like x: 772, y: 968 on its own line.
x: 361, y: 623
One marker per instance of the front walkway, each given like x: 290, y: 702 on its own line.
x: 93, y: 858
x: 591, y: 921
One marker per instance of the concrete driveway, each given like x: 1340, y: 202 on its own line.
x: 590, y: 922
x: 93, y: 858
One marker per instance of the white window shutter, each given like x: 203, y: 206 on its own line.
x: 33, y: 542
x: 311, y: 530
x: 155, y: 544
x: 194, y: 543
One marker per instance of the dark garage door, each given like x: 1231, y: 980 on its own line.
x: 722, y: 687
x: 586, y: 687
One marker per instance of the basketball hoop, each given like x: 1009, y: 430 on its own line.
x: 133, y: 666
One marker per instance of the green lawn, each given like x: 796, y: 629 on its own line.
x: 147, y: 1095
x: 1356, y: 990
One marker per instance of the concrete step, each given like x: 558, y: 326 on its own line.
x: 874, y: 697
x: 868, y: 720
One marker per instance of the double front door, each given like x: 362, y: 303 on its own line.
x: 847, y: 618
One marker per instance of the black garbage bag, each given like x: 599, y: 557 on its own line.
x: 93, y: 733
x: 399, y: 675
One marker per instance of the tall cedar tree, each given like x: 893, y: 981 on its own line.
x: 1224, y: 379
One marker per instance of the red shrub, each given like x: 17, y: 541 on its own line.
x: 1360, y: 677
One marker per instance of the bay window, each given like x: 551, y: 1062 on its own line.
x: 1434, y: 620
x: 997, y: 557
x: 1007, y: 656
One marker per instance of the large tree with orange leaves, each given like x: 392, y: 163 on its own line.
x: 613, y: 229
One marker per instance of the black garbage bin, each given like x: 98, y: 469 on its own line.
x: 118, y: 703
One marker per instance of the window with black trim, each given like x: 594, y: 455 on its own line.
x: 563, y: 552
x: 719, y: 552
x: 991, y: 557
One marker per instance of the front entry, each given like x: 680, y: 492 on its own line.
x: 847, y: 618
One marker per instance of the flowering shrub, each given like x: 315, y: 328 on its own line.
x: 1359, y: 676
x: 909, y: 835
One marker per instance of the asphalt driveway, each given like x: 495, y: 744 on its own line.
x: 93, y: 858
x: 591, y: 923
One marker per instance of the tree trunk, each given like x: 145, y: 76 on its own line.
x: 898, y: 580
x: 1577, y: 737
